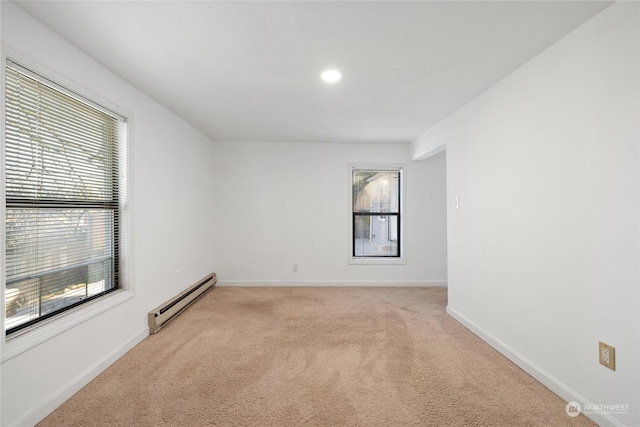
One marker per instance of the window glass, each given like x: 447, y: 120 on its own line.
x: 376, y: 213
x: 63, y: 184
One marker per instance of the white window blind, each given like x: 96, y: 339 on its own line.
x: 64, y: 192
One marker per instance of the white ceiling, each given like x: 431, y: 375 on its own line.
x: 250, y: 70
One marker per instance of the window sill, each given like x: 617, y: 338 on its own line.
x: 22, y: 341
x: 377, y: 261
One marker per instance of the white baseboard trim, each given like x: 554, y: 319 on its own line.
x: 542, y: 376
x: 47, y: 406
x: 285, y: 283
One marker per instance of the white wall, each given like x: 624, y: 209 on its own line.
x: 279, y: 204
x: 544, y: 249
x: 171, y: 229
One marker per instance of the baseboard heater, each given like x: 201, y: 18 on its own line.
x: 161, y: 315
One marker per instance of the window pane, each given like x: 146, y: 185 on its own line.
x: 58, y: 147
x: 30, y: 299
x: 55, y: 258
x: 376, y: 191
x: 376, y: 236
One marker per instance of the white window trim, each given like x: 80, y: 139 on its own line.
x: 402, y: 260
x: 39, y: 333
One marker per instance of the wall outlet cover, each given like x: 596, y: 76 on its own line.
x: 607, y: 355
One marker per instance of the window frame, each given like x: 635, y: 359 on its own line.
x: 401, y: 215
x: 28, y: 337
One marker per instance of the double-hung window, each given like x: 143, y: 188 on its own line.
x: 376, y: 213
x: 65, y: 181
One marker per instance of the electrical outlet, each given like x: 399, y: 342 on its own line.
x: 607, y: 355
x: 294, y: 268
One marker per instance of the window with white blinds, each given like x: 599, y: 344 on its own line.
x: 376, y: 213
x: 65, y: 187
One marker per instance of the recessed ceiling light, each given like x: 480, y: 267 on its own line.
x: 331, y: 76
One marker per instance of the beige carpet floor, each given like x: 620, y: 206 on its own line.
x: 275, y: 356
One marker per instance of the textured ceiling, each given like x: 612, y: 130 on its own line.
x: 250, y: 70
